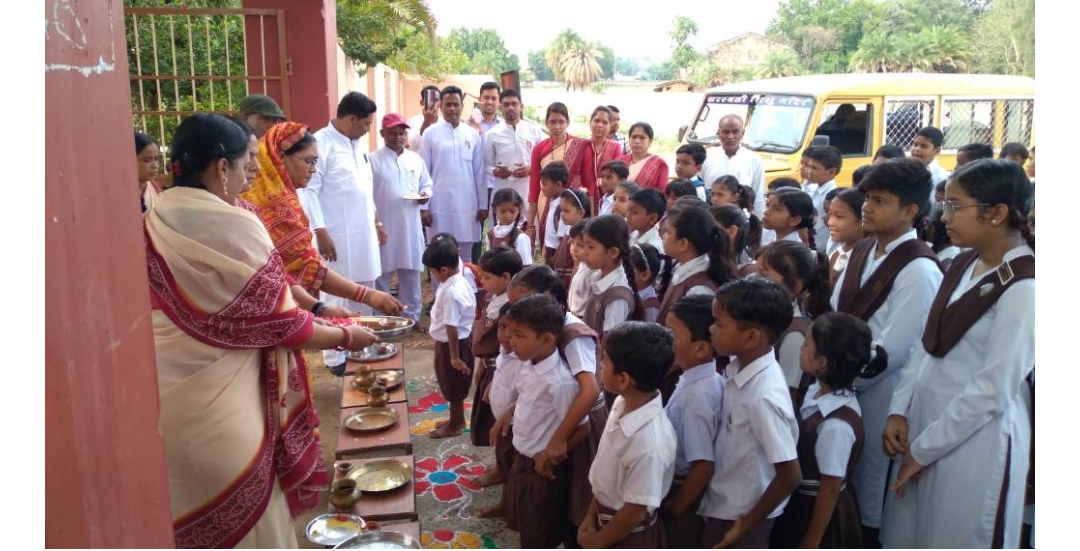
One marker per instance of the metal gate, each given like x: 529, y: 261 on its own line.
x: 184, y: 61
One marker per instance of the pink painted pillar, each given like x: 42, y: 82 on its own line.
x: 105, y: 477
x: 311, y: 45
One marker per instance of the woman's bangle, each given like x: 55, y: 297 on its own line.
x: 361, y: 292
x: 348, y: 340
x: 318, y: 307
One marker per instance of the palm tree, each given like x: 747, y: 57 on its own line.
x: 487, y: 62
x: 915, y: 53
x: 557, y: 50
x: 877, y: 53
x: 949, y: 49
x: 372, y: 31
x: 778, y: 63
x: 579, y: 67
x: 706, y: 74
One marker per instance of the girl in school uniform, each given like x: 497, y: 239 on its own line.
x: 645, y: 260
x: 507, y: 205
x: 744, y: 235
x: 804, y: 273
x: 960, y: 418
x: 574, y: 205
x: 845, y: 229
x: 789, y: 211
x: 822, y: 513
x: 578, y: 345
x: 620, y: 203
x: 579, y: 282
x: 612, y: 300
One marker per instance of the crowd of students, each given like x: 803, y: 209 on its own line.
x: 852, y: 369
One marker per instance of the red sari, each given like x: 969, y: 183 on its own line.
x: 653, y: 171
x: 592, y: 161
x: 542, y: 155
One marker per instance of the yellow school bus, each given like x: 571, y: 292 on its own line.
x: 858, y: 113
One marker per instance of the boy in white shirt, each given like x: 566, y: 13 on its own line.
x: 635, y: 462
x: 647, y: 207
x: 452, y: 316
x: 537, y: 504
x: 757, y: 467
x: 820, y: 167
x: 612, y: 174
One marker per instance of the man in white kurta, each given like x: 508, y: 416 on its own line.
x: 343, y: 187
x: 897, y: 326
x: 451, y: 150
x: 508, y: 149
x: 734, y: 159
x: 398, y: 173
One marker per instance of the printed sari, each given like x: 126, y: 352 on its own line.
x: 591, y: 163
x: 652, y: 171
x: 237, y: 417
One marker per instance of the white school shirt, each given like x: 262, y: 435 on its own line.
x: 651, y: 312
x: 342, y: 195
x: 817, y: 194
x: 551, y: 232
x: 898, y: 327
x: 964, y: 411
x: 744, y: 165
x: 580, y: 353
x: 834, y: 436
x: 456, y: 165
x: 545, y: 391
x: 694, y: 411
x: 455, y: 304
x: 789, y: 352
x: 494, y: 305
x: 509, y: 145
x: 607, y: 203
x: 651, y: 237
x: 395, y: 177
x: 757, y: 430
x: 503, y: 392
x: 793, y: 237
x: 635, y: 460
x: 617, y: 311
x: 522, y: 244
x: 686, y: 269
x: 578, y: 294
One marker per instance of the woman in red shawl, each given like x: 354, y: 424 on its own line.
x: 597, y: 151
x: 646, y: 170
x: 561, y: 146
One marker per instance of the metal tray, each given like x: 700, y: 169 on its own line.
x: 381, y: 539
x: 334, y: 528
x: 372, y: 354
x: 385, y: 327
x: 371, y: 420
x: 393, y: 378
x: 385, y: 475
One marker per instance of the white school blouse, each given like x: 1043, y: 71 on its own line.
x: 835, y: 437
x: 455, y: 305
x: 503, y: 392
x: 686, y: 269
x: 635, y: 461
x: 580, y: 352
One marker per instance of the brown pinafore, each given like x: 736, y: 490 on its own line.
x: 674, y: 293
x: 799, y: 324
x: 562, y: 262
x: 844, y: 530
x: 485, y: 347
x: 863, y: 300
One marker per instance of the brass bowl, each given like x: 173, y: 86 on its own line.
x: 371, y: 419
x: 363, y: 380
x: 385, y: 475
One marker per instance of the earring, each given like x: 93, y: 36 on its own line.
x: 223, y: 180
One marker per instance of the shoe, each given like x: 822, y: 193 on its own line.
x: 337, y: 370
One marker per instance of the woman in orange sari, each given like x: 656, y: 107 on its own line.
x: 597, y: 151
x: 646, y: 170
x: 241, y: 434
x: 560, y: 146
x: 287, y: 156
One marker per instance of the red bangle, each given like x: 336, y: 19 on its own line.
x: 361, y: 292
x: 348, y: 340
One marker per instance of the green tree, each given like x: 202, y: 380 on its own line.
x: 485, y: 49
x: 579, y: 66
x: 1003, y: 40
x: 707, y: 74
x: 563, y: 43
x: 683, y: 56
x: 780, y: 63
x: 607, y: 60
x: 912, y: 16
x: 915, y: 53
x: 539, y: 67
x: 373, y: 31
x: 661, y: 71
x: 797, y: 21
x: 877, y: 53
x: 628, y: 66
x: 949, y: 49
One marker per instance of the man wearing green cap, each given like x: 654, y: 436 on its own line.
x: 261, y: 112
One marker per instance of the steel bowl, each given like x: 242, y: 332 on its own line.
x: 381, y: 539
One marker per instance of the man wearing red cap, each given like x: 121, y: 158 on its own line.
x: 400, y: 177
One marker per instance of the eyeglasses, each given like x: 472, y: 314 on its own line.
x: 950, y: 207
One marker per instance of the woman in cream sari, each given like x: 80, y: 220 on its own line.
x: 240, y: 429
x: 646, y: 169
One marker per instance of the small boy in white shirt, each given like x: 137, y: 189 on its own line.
x: 647, y: 207
x: 757, y: 468
x: 452, y: 315
x: 612, y: 174
x: 635, y: 462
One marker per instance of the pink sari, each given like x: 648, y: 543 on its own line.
x: 237, y: 416
x: 591, y: 163
x: 652, y: 171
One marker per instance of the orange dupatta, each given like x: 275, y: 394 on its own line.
x: 273, y: 198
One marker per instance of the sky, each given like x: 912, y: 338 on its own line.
x: 529, y: 26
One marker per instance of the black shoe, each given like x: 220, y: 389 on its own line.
x: 338, y: 370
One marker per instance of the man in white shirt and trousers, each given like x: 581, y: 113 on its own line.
x: 400, y: 176
x: 508, y: 149
x: 343, y: 197
x: 734, y: 159
x: 451, y: 150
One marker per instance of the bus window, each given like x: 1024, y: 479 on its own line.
x: 847, y: 125
x: 965, y: 121
x: 904, y: 118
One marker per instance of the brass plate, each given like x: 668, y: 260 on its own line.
x: 381, y: 476
x: 385, y: 326
x: 393, y: 378
x: 371, y: 420
x: 372, y: 353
